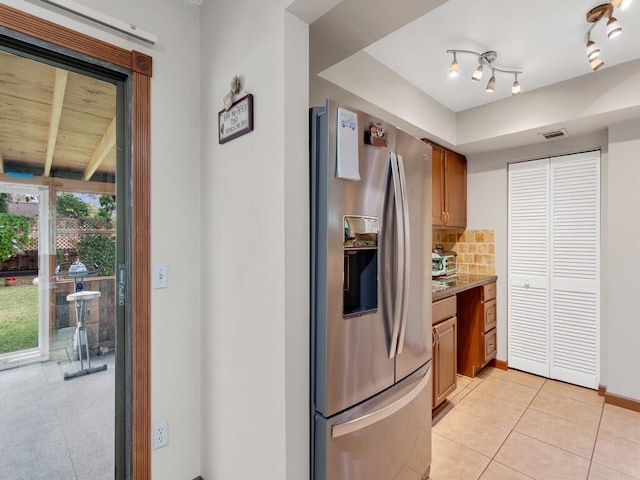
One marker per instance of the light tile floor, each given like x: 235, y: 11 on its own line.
x: 52, y: 429
x: 509, y: 425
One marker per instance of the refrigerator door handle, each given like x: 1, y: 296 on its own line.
x: 399, y: 253
x: 345, y: 428
x: 406, y: 260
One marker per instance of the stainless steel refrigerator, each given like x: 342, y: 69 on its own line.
x: 371, y: 387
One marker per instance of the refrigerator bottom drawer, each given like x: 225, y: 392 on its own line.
x: 384, y: 438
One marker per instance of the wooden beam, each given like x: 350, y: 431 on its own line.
x: 107, y: 142
x: 65, y: 184
x: 59, y: 88
x: 1, y: 163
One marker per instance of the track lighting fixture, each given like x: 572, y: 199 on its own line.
x: 477, y: 73
x: 613, y: 28
x: 491, y: 85
x: 453, y: 69
x: 515, y: 88
x: 622, y: 4
x: 592, y: 49
x: 596, y: 63
x: 488, y: 59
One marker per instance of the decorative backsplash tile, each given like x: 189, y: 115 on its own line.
x: 475, y: 248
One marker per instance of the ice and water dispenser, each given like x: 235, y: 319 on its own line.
x: 360, y: 275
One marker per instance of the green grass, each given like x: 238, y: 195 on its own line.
x: 18, y: 318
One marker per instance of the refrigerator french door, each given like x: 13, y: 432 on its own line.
x: 371, y: 303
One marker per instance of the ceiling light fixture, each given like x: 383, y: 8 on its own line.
x: 515, y: 88
x: 623, y: 4
x: 613, y: 28
x: 595, y: 15
x: 596, y: 63
x: 477, y: 73
x: 453, y: 69
x: 488, y: 59
x: 491, y: 85
x: 592, y: 48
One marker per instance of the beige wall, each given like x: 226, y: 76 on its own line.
x: 620, y: 280
x: 255, y: 291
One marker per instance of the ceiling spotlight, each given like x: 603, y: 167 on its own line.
x: 477, y: 73
x: 515, y: 88
x: 596, y: 63
x: 625, y: 4
x: 592, y: 50
x: 613, y: 27
x: 622, y: 4
x: 453, y: 69
x: 491, y: 85
x: 487, y: 58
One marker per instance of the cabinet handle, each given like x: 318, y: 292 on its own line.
x: 444, y: 217
x: 433, y: 338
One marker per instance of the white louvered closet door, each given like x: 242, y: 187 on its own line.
x: 575, y: 272
x: 554, y: 241
x: 528, y: 290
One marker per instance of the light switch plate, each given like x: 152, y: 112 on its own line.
x: 160, y: 275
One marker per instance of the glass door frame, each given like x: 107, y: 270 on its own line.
x: 133, y: 456
x: 41, y: 351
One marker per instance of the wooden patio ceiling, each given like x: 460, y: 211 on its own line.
x: 53, y: 122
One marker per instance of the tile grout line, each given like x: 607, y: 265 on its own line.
x: 493, y: 458
x: 595, y: 441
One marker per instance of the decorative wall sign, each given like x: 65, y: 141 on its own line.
x: 237, y: 120
x: 376, y: 135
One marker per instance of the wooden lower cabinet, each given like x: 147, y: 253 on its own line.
x: 444, y: 363
x: 476, y: 329
x: 444, y: 349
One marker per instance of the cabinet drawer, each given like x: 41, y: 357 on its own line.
x: 489, y: 292
x: 443, y: 309
x: 489, y: 315
x: 489, y: 345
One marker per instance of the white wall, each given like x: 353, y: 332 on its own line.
x: 255, y: 235
x: 175, y: 213
x: 623, y: 222
x: 487, y: 202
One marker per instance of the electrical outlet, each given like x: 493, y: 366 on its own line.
x: 160, y: 434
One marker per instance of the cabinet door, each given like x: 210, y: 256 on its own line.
x: 444, y: 360
x: 437, y: 182
x: 455, y: 203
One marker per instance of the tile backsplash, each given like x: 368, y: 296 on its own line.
x: 475, y: 248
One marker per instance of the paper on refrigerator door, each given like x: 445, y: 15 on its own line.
x: 347, y: 157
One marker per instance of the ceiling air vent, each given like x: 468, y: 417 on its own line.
x: 555, y: 135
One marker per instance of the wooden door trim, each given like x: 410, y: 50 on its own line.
x: 141, y: 67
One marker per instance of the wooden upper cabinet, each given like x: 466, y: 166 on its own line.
x: 449, y: 184
x: 437, y: 184
x: 455, y: 199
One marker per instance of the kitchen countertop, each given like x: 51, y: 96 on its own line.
x: 443, y: 287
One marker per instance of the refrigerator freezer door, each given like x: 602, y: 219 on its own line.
x: 415, y: 335
x: 351, y: 352
x: 386, y: 437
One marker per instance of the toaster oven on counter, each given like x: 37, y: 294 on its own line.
x: 445, y: 263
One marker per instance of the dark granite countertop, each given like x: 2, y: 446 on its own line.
x: 443, y: 287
